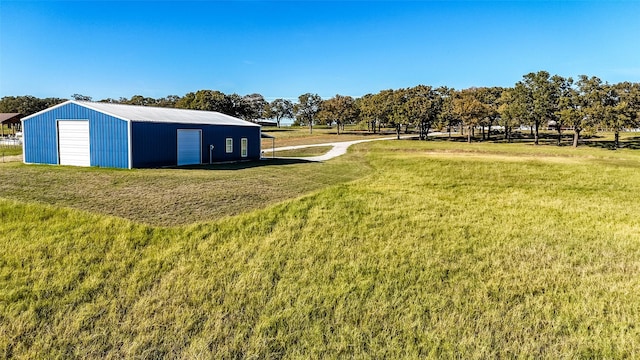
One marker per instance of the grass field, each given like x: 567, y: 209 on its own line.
x: 169, y: 197
x: 431, y: 250
x: 291, y: 136
x: 304, y: 152
x: 10, y: 150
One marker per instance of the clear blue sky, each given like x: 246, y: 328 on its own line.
x: 283, y: 49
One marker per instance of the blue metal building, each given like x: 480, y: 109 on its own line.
x: 126, y: 136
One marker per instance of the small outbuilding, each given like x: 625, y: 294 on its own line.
x: 85, y: 133
x: 12, y: 121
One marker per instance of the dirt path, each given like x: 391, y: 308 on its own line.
x: 338, y: 148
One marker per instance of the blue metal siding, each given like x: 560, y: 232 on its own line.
x: 40, y: 140
x: 109, y: 141
x: 155, y: 144
x: 108, y: 136
x: 217, y: 135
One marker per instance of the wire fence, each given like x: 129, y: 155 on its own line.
x: 10, y: 142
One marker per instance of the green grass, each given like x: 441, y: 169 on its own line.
x: 304, y: 152
x: 481, y: 251
x: 295, y: 135
x: 10, y: 150
x: 169, y: 197
x: 601, y: 139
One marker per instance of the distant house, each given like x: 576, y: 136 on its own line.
x: 126, y: 136
x: 12, y: 121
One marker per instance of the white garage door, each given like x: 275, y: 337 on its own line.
x: 189, y: 146
x: 73, y: 143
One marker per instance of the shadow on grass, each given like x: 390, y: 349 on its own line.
x: 550, y: 139
x: 547, y: 139
x: 628, y: 143
x: 243, y: 164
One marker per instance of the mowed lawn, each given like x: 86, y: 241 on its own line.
x: 304, y: 152
x: 169, y: 197
x: 300, y: 135
x: 10, y: 150
x: 435, y: 250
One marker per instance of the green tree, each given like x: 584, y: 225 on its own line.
x: 543, y: 97
x: 468, y: 108
x: 168, y: 101
x: 423, y: 107
x: 254, y: 107
x: 208, y: 100
x: 27, y: 105
x: 80, y: 97
x: 591, y: 99
x: 113, y: 101
x: 141, y: 101
x: 630, y: 94
x: 398, y: 111
x: 306, y: 110
x: 490, y: 98
x: 366, y: 108
x: 279, y: 109
x: 563, y: 88
x: 582, y: 106
x: 619, y: 112
x: 237, y: 106
x: 376, y: 109
x: 339, y: 109
x: 447, y: 118
x: 571, y: 111
x: 512, y: 108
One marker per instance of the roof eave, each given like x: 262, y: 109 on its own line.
x: 47, y: 109
x: 87, y: 105
x: 79, y: 103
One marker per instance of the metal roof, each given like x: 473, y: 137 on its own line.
x: 160, y: 115
x: 10, y: 117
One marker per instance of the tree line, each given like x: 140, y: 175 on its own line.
x: 586, y: 104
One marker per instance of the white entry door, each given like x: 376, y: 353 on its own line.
x: 189, y: 146
x: 73, y: 143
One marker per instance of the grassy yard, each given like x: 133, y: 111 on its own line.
x: 10, y: 150
x: 169, y: 197
x: 304, y: 152
x: 433, y: 249
x: 290, y: 136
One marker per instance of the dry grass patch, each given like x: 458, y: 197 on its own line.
x: 168, y: 197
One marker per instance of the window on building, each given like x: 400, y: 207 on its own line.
x: 229, y: 145
x: 243, y: 147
